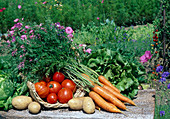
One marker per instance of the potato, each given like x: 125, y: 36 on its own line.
x: 34, y: 107
x: 76, y: 103
x: 21, y: 102
x: 88, y: 105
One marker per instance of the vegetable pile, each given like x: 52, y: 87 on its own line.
x: 104, y: 94
x: 56, y: 89
x: 59, y: 71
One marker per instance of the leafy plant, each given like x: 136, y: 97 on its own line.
x: 116, y: 69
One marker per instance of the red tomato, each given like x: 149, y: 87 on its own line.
x: 52, y: 98
x: 69, y: 84
x: 58, y: 76
x: 43, y: 82
x: 64, y: 95
x: 54, y: 86
x: 41, y: 89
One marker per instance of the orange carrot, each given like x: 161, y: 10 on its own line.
x: 108, y: 96
x: 103, y: 80
x: 102, y: 103
x: 118, y: 95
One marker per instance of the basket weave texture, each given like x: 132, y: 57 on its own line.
x: 79, y: 93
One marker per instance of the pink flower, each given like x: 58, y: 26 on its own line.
x: 19, y: 6
x: 62, y: 27
x: 18, y: 25
x: 22, y: 19
x: 22, y: 30
x: 27, y: 27
x: 70, y: 36
x: 148, y: 54
x: 16, y: 20
x: 12, y: 28
x: 144, y: 58
x: 1, y: 10
x: 98, y: 18
x: 8, y: 41
x: 102, y: 1
x: 30, y: 60
x: 14, y: 52
x: 31, y: 31
x: 32, y: 36
x: 82, y: 45
x: 4, y: 8
x: 23, y: 37
x: 44, y: 2
x: 69, y: 30
x: 88, y: 50
x: 11, y: 33
x: 22, y: 46
x: 13, y: 39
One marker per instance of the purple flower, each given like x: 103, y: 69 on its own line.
x: 102, y: 1
x: 69, y: 30
x: 19, y: 6
x: 35, y: 2
x: 162, y: 113
x: 88, y: 50
x: 16, y: 20
x: 168, y: 86
x: 159, y: 68
x: 165, y: 74
x: 133, y: 40
x: 162, y: 80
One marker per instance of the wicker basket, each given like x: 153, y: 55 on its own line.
x: 79, y: 93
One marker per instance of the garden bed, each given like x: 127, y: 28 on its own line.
x: 145, y: 110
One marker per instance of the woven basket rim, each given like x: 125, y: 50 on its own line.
x: 36, y: 97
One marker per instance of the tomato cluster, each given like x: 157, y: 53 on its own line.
x: 57, y: 89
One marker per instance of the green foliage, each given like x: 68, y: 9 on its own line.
x: 116, y: 69
x: 77, y: 12
x: 37, y: 50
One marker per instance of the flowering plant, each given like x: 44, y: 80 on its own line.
x: 144, y: 58
x: 38, y: 49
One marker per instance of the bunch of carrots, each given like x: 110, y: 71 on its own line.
x: 104, y: 94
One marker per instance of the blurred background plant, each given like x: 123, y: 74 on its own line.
x: 77, y: 12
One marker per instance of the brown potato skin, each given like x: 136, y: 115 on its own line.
x: 76, y: 103
x: 88, y: 105
x: 21, y: 102
x: 34, y: 107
